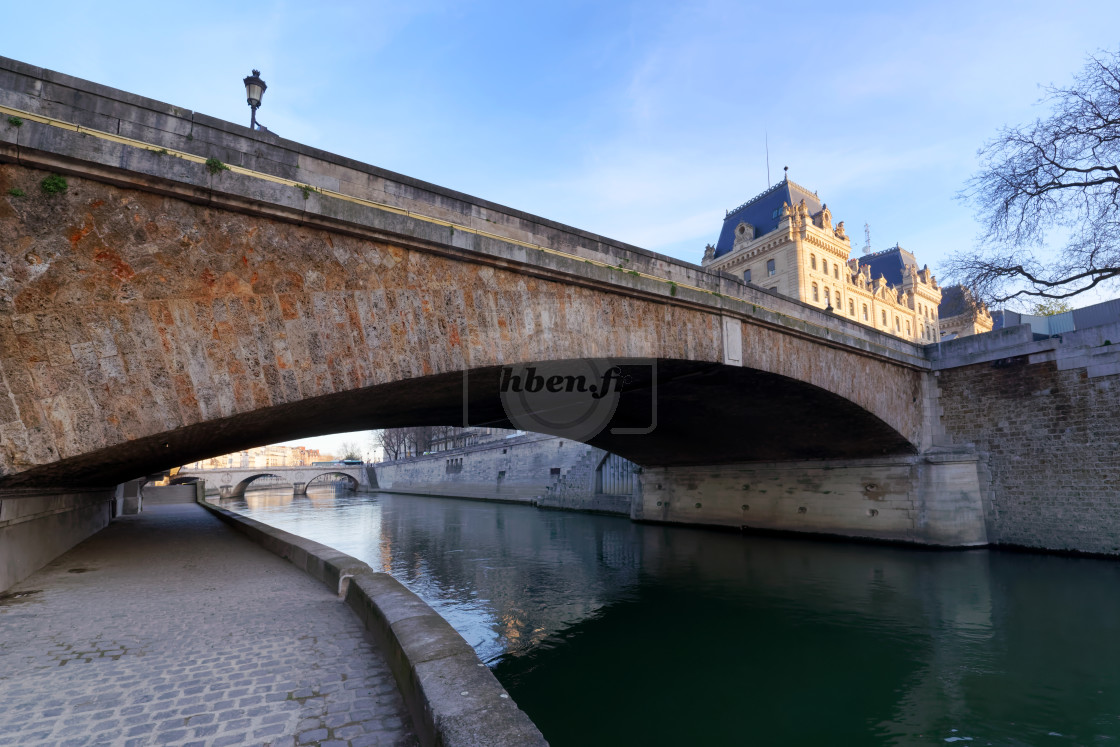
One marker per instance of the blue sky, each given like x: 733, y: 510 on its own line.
x: 642, y: 121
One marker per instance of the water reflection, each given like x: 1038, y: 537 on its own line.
x: 608, y: 632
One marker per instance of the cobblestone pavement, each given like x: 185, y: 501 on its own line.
x: 169, y: 628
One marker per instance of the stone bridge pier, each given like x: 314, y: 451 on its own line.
x: 931, y: 498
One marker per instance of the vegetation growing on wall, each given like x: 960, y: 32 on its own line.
x: 53, y: 184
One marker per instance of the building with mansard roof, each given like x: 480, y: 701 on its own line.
x: 961, y: 314
x: 784, y: 240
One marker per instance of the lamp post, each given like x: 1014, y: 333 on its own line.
x: 254, y: 90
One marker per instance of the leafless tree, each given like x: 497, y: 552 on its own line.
x: 350, y: 450
x: 400, y: 443
x: 393, y: 442
x: 1056, y: 179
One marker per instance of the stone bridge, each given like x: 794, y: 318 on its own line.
x: 200, y: 288
x: 233, y: 482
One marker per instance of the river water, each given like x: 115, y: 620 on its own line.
x: 608, y: 632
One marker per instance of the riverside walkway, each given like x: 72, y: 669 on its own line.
x: 170, y: 628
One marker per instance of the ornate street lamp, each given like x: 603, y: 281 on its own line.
x: 254, y: 89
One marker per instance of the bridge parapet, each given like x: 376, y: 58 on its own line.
x: 1096, y: 349
x: 92, y: 130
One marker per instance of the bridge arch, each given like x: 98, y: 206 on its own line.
x: 261, y: 331
x: 238, y: 490
x: 351, y: 482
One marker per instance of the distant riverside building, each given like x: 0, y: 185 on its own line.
x: 961, y: 314
x: 784, y: 240
x: 264, y: 456
x: 459, y: 438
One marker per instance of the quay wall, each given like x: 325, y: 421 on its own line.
x: 165, y: 494
x: 546, y: 471
x: 1044, y: 415
x: 36, y: 526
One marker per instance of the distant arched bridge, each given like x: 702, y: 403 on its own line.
x: 232, y: 482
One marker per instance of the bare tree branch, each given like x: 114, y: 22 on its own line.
x: 1057, y: 177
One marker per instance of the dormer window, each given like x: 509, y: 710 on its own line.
x: 744, y: 232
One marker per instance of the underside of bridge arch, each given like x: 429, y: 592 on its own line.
x: 690, y: 413
x: 351, y: 483
x: 240, y: 488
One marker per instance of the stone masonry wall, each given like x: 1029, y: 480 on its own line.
x: 524, y: 462
x: 932, y: 499
x: 38, y: 526
x: 1045, y: 416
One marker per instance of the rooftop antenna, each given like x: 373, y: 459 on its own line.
x: 767, y: 135
x: 786, y: 169
x: 867, y: 238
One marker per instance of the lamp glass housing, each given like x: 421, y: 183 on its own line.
x: 254, y: 89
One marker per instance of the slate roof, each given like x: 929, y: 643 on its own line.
x: 764, y: 211
x: 889, y: 263
x: 953, y: 302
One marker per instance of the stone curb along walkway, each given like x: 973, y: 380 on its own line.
x: 167, y: 628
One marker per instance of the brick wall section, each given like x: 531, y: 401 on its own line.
x: 1047, y: 422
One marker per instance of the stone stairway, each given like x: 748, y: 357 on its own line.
x: 575, y: 489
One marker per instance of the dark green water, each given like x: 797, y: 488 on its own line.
x: 608, y: 632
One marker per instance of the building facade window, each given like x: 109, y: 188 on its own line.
x: 746, y: 276
x: 865, y: 312
x: 824, y: 266
x: 836, y: 271
x: 771, y: 267
x: 827, y: 298
x: 816, y: 295
x: 813, y: 261
x: 907, y: 327
x: 897, y: 324
x: 851, y: 307
x: 884, y: 317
